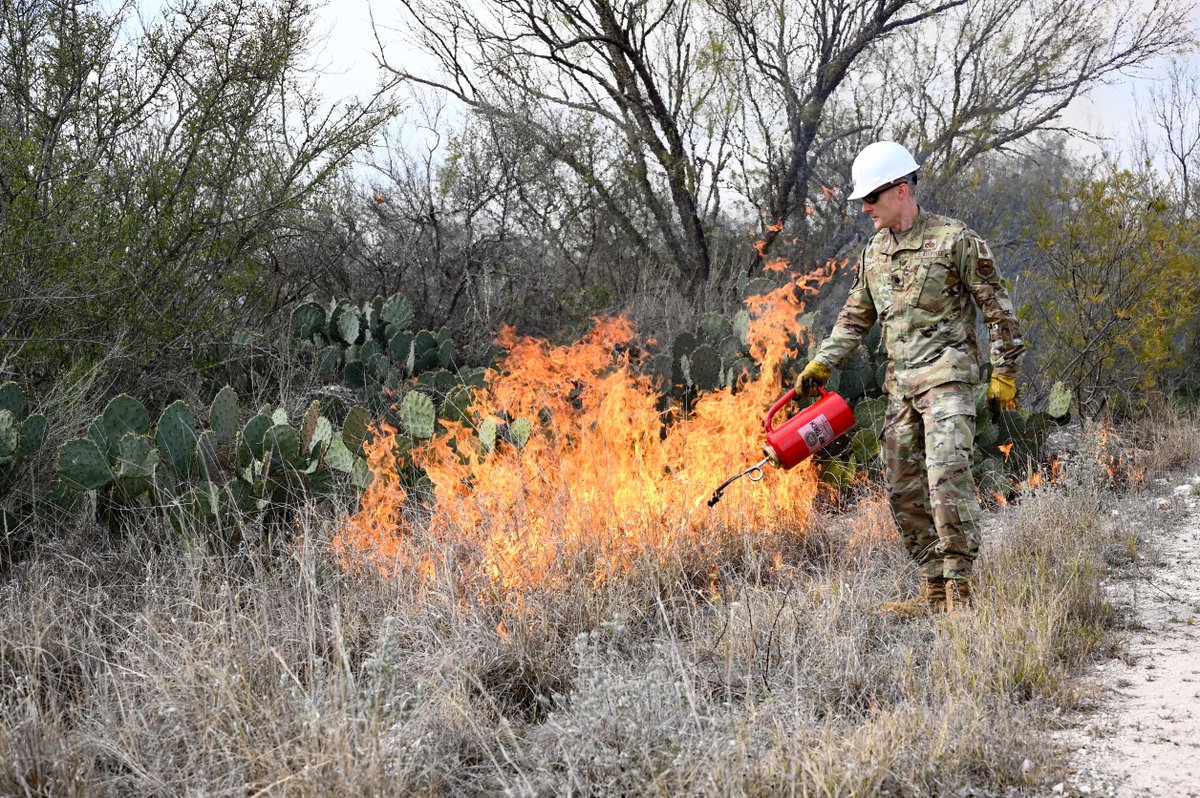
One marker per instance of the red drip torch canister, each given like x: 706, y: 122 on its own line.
x: 808, y: 431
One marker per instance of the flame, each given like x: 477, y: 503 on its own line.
x: 1007, y: 449
x: 607, y: 480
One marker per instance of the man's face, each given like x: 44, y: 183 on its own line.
x: 883, y: 204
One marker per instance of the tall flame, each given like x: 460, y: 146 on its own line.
x: 606, y: 479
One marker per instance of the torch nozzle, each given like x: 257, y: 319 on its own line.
x: 755, y: 473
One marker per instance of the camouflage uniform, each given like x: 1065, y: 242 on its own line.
x: 923, y: 287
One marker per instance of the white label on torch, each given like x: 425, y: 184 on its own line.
x: 817, y: 433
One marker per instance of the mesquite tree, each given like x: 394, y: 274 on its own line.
x: 150, y: 177
x: 752, y: 110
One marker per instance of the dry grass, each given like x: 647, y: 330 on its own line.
x: 1168, y: 439
x: 129, y: 670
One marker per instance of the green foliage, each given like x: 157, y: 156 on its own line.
x: 151, y: 175
x: 1117, y: 282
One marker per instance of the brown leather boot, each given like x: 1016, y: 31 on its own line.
x: 930, y: 599
x: 958, y: 594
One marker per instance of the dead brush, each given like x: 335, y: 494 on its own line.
x: 148, y: 671
x: 1168, y: 439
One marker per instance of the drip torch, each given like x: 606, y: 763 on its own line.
x: 799, y: 438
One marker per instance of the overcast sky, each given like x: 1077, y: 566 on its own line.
x: 1109, y: 111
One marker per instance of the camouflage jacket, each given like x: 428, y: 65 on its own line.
x: 923, y: 287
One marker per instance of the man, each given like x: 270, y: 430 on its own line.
x: 922, y: 277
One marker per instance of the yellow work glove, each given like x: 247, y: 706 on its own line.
x: 814, y: 374
x: 1001, y: 391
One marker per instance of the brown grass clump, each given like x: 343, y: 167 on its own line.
x: 1168, y: 440
x: 131, y: 671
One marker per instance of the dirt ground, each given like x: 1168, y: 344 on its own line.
x: 1144, y: 738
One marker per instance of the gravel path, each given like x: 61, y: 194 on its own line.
x: 1145, y: 738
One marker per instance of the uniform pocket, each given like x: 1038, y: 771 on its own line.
x: 952, y: 402
x: 933, y: 278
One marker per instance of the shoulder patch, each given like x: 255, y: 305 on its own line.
x: 984, y: 251
x: 987, y: 268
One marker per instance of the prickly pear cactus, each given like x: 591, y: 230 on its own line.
x: 1059, y: 404
x: 176, y: 436
x: 253, y: 432
x: 487, y: 436
x: 282, y: 444
x: 10, y: 439
x: 519, y: 431
x: 703, y: 368
x: 308, y: 320
x: 355, y: 429
x: 82, y: 466
x: 418, y: 415
x: 32, y: 434
x: 223, y: 417
x: 741, y: 327
x: 135, y: 466
x: 397, y: 312
x: 338, y: 457
x: 715, y: 328
x: 345, y: 323
x: 124, y: 414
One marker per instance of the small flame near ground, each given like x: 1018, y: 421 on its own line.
x: 605, y: 481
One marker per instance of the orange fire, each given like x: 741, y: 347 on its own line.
x: 606, y: 479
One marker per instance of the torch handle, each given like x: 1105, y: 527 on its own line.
x: 783, y: 400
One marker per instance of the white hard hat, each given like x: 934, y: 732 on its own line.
x: 879, y: 164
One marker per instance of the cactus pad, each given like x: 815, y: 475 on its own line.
x: 425, y: 352
x: 354, y: 429
x: 308, y: 319
x: 253, y: 432
x: 400, y: 346
x: 704, y: 368
x: 123, y: 415
x: 865, y: 445
x: 418, y: 415
x: 1059, y: 405
x: 10, y: 439
x: 308, y: 425
x: 329, y: 363
x: 136, y: 456
x: 283, y: 442
x: 206, y: 455
x: 869, y: 414
x: 355, y: 374
x: 344, y: 324
x: 397, y: 312
x: 338, y: 457
x: 757, y: 287
x: 487, y: 436
x: 519, y: 431
x: 223, y: 414
x: 175, y: 435
x: 83, y: 466
x: 12, y: 399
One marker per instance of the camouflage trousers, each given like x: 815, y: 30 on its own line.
x: 927, y: 445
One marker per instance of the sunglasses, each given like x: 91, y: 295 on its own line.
x: 873, y: 197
